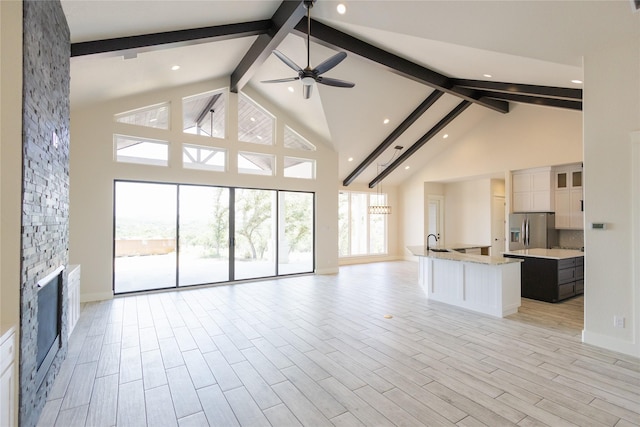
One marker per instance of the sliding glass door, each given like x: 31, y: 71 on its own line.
x: 255, y: 233
x: 295, y: 232
x: 169, y: 235
x: 144, y: 237
x: 204, y: 235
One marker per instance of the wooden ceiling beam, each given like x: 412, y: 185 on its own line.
x: 169, y: 39
x: 395, y: 134
x: 535, y: 100
x: 420, y: 142
x: 522, y: 89
x: 283, y: 21
x: 333, y: 38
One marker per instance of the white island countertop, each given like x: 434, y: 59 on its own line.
x: 457, y: 256
x: 546, y: 253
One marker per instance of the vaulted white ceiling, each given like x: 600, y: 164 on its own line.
x: 531, y: 42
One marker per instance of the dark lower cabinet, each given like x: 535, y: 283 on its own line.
x: 551, y: 280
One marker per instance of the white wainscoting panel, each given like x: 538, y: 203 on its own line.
x: 8, y: 378
x: 73, y: 312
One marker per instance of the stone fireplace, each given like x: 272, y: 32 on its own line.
x: 45, y: 204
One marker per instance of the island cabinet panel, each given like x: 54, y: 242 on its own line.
x: 551, y: 280
x: 579, y: 287
x: 492, y: 289
x: 448, y: 281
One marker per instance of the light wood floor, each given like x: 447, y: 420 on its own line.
x: 318, y: 350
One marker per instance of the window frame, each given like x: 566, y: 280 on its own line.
x: 270, y: 143
x: 224, y: 92
x: 166, y: 105
x: 203, y: 166
x: 368, y: 221
x: 312, y: 162
x: 143, y: 161
x: 243, y: 171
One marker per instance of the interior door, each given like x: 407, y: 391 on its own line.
x: 435, y: 217
x: 498, y: 225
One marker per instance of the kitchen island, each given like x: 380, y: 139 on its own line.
x: 486, y: 284
x: 550, y: 275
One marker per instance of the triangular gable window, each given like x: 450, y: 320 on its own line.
x: 255, y: 124
x: 205, y: 114
x: 294, y: 141
x: 152, y: 116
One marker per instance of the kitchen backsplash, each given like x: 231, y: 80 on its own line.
x: 573, y: 239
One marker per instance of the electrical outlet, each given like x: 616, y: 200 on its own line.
x: 618, y: 321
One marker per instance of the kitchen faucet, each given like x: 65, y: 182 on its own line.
x: 434, y: 236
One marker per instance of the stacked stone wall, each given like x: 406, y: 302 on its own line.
x: 45, y: 184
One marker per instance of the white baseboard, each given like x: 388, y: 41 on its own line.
x: 96, y: 296
x: 368, y: 259
x: 330, y: 270
x: 610, y: 343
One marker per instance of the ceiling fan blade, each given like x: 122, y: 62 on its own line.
x: 288, y: 79
x: 287, y: 61
x: 306, y: 91
x: 334, y: 82
x: 330, y: 63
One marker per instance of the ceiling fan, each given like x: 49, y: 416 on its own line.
x: 309, y: 76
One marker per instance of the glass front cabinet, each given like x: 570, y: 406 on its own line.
x: 569, y: 199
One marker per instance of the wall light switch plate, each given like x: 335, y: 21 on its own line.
x: 54, y: 139
x: 618, y: 321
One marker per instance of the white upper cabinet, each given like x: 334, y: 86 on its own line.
x: 532, y: 190
x: 569, y: 198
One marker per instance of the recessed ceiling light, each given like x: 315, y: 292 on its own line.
x: 385, y: 121
x: 576, y: 81
x: 175, y: 68
x: 487, y: 75
x: 350, y: 159
x: 290, y: 89
x: 341, y: 9
x: 445, y: 136
x: 407, y: 167
x: 253, y: 119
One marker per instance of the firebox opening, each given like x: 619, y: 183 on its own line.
x: 49, y: 322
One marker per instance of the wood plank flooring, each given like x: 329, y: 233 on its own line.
x: 318, y: 351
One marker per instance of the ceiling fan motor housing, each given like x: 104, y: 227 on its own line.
x: 309, y: 76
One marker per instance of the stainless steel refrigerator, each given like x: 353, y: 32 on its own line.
x: 532, y: 230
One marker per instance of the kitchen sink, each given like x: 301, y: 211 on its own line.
x: 439, y: 250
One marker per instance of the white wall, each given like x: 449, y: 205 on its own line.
x: 468, y: 212
x: 611, y: 116
x: 10, y: 161
x: 10, y: 183
x: 93, y: 171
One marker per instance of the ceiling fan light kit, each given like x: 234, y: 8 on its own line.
x: 309, y: 76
